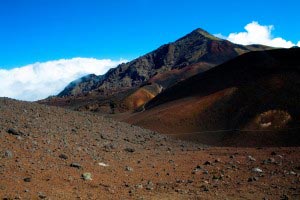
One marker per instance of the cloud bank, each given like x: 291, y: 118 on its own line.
x: 40, y: 80
x: 258, y: 34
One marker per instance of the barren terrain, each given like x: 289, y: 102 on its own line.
x: 53, y: 153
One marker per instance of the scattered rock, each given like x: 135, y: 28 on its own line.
x: 207, y: 163
x: 150, y: 186
x: 251, y: 179
x: 269, y: 161
x: 27, y: 179
x: 104, y: 136
x: 251, y: 158
x: 63, y: 156
x: 256, y: 169
x: 196, y: 169
x: 215, y: 177
x: 129, y: 169
x: 76, y: 165
x: 139, y: 186
x: 280, y: 156
x: 13, y: 131
x: 87, y: 176
x: 8, y: 154
x: 103, y: 164
x: 171, y: 161
x: 42, y: 196
x: 292, y: 173
x: 130, y: 150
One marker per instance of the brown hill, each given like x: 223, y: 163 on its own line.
x: 192, y: 54
x: 197, y: 46
x: 53, y: 153
x: 252, y: 100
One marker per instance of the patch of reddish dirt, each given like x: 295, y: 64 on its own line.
x: 45, y: 151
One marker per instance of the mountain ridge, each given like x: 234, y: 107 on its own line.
x: 187, y: 50
x: 250, y: 100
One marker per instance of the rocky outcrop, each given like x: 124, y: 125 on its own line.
x: 197, y: 47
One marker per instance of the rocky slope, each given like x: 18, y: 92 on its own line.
x: 197, y: 47
x: 251, y: 100
x: 169, y: 64
x: 53, y: 153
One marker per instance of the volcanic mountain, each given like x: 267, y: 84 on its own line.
x: 252, y: 100
x: 122, y: 88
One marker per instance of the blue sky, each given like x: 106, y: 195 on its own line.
x: 46, y: 44
x: 41, y: 30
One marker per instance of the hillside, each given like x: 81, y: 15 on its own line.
x: 52, y: 153
x: 252, y: 100
x: 194, y: 53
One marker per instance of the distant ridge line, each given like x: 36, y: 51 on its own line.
x: 237, y: 130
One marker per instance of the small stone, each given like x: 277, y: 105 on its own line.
x: 87, y: 176
x: 13, y: 131
x: 196, y: 169
x: 292, y: 173
x: 251, y: 158
x: 27, y: 179
x: 190, y: 181
x: 139, y: 186
x: 215, y: 177
x: 42, y: 196
x: 103, y: 164
x: 150, y: 185
x: 207, y: 163
x: 8, y: 154
x: 63, y: 156
x: 126, y: 185
x: 251, y: 179
x: 130, y: 150
x: 76, y: 165
x: 280, y: 156
x: 171, y: 161
x: 269, y: 161
x: 256, y: 169
x: 129, y: 169
x: 131, y: 191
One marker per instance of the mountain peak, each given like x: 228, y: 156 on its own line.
x: 200, y: 30
x: 199, y: 33
x: 204, y: 33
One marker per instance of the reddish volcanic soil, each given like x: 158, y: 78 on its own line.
x: 44, y: 152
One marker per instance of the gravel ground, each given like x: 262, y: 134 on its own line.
x: 53, y: 153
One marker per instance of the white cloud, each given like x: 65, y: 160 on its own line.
x: 40, y: 80
x: 258, y: 34
x: 219, y: 35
